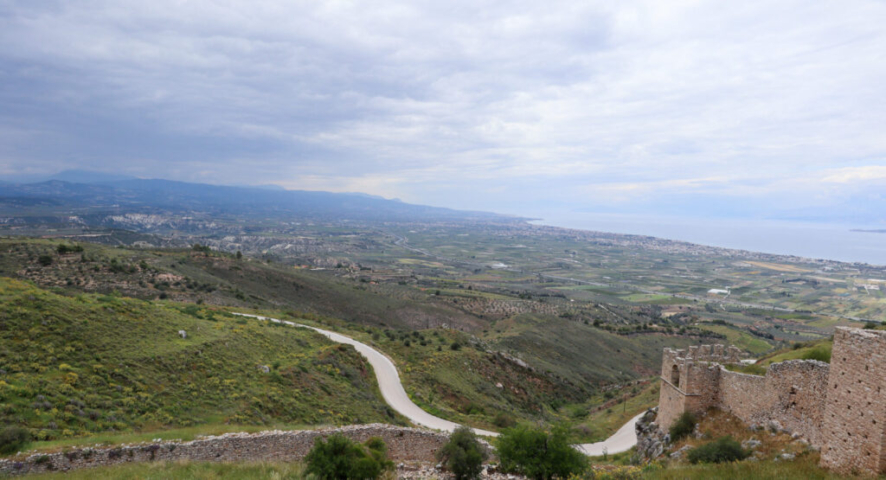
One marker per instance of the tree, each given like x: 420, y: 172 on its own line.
x: 45, y: 260
x: 239, y: 255
x: 463, y: 454
x: 339, y: 458
x: 539, y: 455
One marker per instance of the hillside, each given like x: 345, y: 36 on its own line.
x: 73, y: 366
x: 549, y: 368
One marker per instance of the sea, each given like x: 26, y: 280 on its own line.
x: 811, y: 240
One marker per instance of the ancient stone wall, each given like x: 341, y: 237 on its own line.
x: 690, y: 380
x: 792, y: 394
x: 797, y: 390
x: 671, y: 403
x: 855, y: 411
x: 840, y: 408
x: 404, y: 444
x: 741, y: 394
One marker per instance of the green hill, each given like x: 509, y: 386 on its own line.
x: 72, y: 366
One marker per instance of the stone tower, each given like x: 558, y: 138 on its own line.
x: 690, y: 380
x: 854, y: 421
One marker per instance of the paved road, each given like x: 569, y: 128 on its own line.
x: 621, y: 441
x: 388, y: 381
x: 394, y: 394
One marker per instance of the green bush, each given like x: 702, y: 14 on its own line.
x: 463, y: 454
x: 724, y: 449
x: 683, y: 426
x: 820, y: 353
x: 503, y: 420
x: 339, y: 458
x: 13, y: 439
x: 45, y: 260
x: 538, y: 454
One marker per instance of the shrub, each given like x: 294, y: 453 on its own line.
x: 724, y: 449
x: 503, y: 420
x: 13, y: 439
x: 463, y: 454
x: 339, y: 458
x: 538, y: 454
x: 820, y: 353
x: 45, y: 260
x: 683, y: 426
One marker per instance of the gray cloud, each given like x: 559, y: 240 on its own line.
x: 511, y: 107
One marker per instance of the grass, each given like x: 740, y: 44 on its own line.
x: 95, y: 364
x: 804, y: 468
x: 740, y: 339
x: 800, y: 353
x: 752, y: 369
x: 604, y: 422
x: 716, y: 424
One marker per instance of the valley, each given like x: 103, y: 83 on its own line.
x: 491, y: 322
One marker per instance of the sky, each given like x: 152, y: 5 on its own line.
x: 752, y: 109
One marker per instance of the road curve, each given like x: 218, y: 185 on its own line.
x: 621, y: 441
x: 388, y: 380
x: 394, y: 394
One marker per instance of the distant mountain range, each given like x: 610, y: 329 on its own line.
x: 79, y: 192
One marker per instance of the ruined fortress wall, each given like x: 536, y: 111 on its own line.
x: 671, y: 403
x: 702, y: 381
x: 839, y: 407
x: 695, y: 389
x: 855, y: 412
x: 792, y: 393
x: 404, y: 444
x: 742, y: 394
x: 797, y: 390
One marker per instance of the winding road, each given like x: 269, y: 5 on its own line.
x: 394, y: 394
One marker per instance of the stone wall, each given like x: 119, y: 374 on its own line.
x: 839, y: 407
x: 671, y: 403
x: 855, y: 411
x: 404, y: 444
x: 690, y: 380
x: 798, y: 389
x: 792, y: 393
x: 741, y: 394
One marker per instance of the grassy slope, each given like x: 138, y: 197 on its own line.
x: 220, y: 279
x: 740, y: 339
x: 570, y: 359
x: 794, y: 353
x: 94, y: 363
x: 463, y: 385
x: 582, y: 353
x: 717, y: 424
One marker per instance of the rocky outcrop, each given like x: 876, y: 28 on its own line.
x: 651, y: 441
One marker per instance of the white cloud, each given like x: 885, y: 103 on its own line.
x: 565, y: 103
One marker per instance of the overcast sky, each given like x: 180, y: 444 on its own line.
x: 686, y: 106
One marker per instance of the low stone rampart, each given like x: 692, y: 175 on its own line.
x: 404, y: 444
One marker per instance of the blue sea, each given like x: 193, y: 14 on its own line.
x: 812, y: 240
